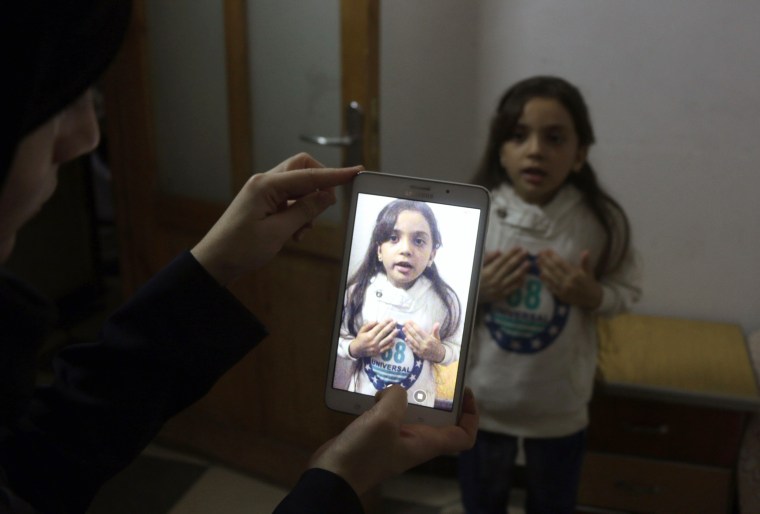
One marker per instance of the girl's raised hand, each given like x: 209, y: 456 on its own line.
x: 373, y: 339
x: 424, y: 345
x: 572, y: 284
x: 503, y: 273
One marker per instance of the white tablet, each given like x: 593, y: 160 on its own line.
x: 408, y: 293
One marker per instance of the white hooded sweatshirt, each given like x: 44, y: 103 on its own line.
x: 533, y: 358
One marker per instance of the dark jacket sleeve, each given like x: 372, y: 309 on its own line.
x: 319, y: 491
x: 158, y: 354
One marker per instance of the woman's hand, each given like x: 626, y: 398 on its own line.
x: 502, y: 274
x: 271, y: 208
x: 377, y: 445
x: 424, y: 345
x: 373, y: 339
x: 572, y: 284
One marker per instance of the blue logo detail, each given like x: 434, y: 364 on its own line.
x: 398, y: 365
x: 528, y: 320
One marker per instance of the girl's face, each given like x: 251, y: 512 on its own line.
x: 543, y: 151
x: 33, y: 175
x: 408, y: 251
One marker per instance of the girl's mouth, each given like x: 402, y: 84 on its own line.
x: 403, y: 267
x: 533, y: 175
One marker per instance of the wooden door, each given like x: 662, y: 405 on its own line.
x: 267, y: 414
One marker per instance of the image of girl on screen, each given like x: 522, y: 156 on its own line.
x: 400, y: 318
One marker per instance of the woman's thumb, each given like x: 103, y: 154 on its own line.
x: 391, y: 403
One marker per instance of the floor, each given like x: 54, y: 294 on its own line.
x: 163, y: 481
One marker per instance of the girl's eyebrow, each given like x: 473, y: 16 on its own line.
x: 554, y: 126
x: 558, y: 126
x: 418, y: 233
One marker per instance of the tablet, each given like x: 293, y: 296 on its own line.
x: 407, y: 294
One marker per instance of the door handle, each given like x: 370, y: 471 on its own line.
x: 351, y: 141
x: 328, y: 141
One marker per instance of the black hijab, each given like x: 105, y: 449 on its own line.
x: 51, y: 51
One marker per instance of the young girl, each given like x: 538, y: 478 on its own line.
x: 400, y: 316
x: 557, y: 256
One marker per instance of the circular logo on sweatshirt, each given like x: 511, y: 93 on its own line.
x: 397, y: 365
x: 528, y: 320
